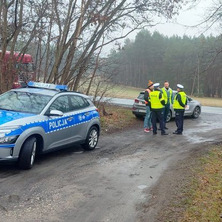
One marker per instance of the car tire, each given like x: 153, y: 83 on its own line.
x: 139, y: 116
x: 28, y: 153
x: 92, y: 139
x: 169, y: 116
x: 196, y: 112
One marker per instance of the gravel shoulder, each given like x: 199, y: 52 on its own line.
x: 131, y: 176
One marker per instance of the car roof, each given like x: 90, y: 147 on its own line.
x: 47, y: 92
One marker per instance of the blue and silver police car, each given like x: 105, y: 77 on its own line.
x: 43, y: 117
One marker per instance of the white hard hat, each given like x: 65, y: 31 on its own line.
x: 180, y: 86
x: 156, y: 84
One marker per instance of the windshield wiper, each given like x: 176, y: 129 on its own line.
x: 7, y: 109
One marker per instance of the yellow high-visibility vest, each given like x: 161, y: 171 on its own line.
x: 165, y: 94
x: 176, y: 104
x: 155, y: 100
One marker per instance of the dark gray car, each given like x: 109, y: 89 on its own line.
x: 193, y: 110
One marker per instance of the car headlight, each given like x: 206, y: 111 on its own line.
x: 8, y: 139
x: 4, y: 131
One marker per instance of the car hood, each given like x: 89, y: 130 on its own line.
x: 8, y: 116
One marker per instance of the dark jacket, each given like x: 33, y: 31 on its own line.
x: 146, y: 98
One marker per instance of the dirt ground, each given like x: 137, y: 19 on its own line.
x: 130, y: 177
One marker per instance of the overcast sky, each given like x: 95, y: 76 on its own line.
x: 182, y: 24
x: 187, y: 18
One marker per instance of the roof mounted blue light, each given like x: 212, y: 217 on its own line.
x: 47, y: 86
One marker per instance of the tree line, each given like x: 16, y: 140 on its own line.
x: 194, y: 62
x: 65, y: 37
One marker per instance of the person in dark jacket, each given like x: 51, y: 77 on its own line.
x: 179, y: 105
x: 147, y: 120
x: 157, y: 102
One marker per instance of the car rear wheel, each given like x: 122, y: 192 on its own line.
x: 28, y: 153
x: 169, y: 116
x: 92, y: 139
x: 139, y: 116
x: 196, y: 112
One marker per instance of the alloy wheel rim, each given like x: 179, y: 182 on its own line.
x: 93, y: 138
x: 33, y: 153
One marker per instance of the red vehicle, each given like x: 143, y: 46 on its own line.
x: 23, y: 68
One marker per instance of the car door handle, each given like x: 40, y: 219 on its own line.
x: 70, y: 118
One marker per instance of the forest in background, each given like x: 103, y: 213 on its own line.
x: 194, y: 62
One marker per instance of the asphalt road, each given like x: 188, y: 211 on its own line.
x: 108, y: 184
x: 129, y: 103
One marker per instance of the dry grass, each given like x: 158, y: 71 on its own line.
x: 119, y: 118
x: 132, y: 92
x: 206, y: 191
x: 205, y: 101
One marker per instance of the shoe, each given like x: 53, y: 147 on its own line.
x: 177, y: 133
x: 146, y: 130
x: 159, y: 129
x: 150, y: 129
x: 164, y: 134
x: 154, y: 133
x: 165, y: 127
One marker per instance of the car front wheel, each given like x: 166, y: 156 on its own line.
x: 28, y: 153
x: 196, y: 112
x: 92, y: 139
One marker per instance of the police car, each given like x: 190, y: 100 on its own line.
x: 43, y: 117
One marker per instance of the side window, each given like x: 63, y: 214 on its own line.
x: 61, y: 104
x: 78, y: 102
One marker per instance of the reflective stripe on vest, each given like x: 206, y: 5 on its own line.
x: 165, y: 94
x: 176, y: 104
x: 155, y: 100
x: 148, y: 90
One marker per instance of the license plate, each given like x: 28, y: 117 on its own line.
x: 141, y: 111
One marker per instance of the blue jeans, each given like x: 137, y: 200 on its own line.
x: 147, y: 120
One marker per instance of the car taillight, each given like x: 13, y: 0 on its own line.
x: 136, y: 101
x: 16, y: 85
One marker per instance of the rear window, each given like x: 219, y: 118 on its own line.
x: 141, y: 95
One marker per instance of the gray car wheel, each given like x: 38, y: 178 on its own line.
x: 169, y: 116
x: 196, y: 112
x: 92, y: 139
x: 28, y: 153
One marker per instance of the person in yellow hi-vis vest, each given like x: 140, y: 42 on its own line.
x: 168, y: 96
x: 157, y: 103
x: 179, y: 105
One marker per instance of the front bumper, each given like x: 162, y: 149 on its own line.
x: 6, y: 154
x: 8, y: 160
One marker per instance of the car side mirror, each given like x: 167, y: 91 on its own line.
x: 189, y: 99
x: 55, y: 113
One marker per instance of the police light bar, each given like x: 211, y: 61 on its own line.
x: 47, y: 86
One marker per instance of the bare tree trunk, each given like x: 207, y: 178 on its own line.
x: 95, y: 69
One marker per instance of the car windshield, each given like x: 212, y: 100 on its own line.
x: 23, y: 102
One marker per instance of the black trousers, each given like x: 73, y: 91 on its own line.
x: 179, y: 120
x: 158, y: 115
